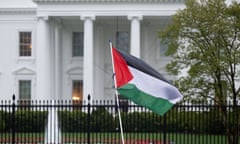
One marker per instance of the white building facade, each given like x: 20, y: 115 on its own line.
x: 59, y: 49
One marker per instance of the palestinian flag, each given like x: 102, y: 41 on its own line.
x: 137, y: 81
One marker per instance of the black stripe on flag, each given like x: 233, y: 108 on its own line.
x: 142, y: 66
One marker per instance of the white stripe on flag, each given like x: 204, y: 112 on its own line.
x: 154, y: 86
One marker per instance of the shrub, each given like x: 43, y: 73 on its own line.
x: 2, y: 121
x: 30, y: 121
x: 101, y: 120
x: 214, y: 123
x: 73, y: 121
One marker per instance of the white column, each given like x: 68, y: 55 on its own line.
x: 43, y: 81
x: 57, y: 47
x: 88, y: 72
x: 135, y: 48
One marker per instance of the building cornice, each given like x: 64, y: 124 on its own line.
x: 109, y: 1
x: 18, y: 11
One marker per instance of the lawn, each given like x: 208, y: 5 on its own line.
x: 111, y: 138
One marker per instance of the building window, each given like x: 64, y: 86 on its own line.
x: 163, y: 49
x: 77, y: 44
x: 25, y: 92
x: 122, y: 41
x: 77, y: 91
x: 25, y: 44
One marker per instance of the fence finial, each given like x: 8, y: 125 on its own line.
x: 13, y: 97
x: 89, y: 97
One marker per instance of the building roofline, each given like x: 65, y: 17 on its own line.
x: 109, y: 1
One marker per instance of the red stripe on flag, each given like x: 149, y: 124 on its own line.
x: 122, y: 73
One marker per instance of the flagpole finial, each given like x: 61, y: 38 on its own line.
x: 110, y: 44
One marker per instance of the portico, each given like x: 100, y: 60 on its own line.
x: 125, y: 22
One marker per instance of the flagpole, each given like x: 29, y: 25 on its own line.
x: 116, y: 93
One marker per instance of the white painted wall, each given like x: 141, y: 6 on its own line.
x: 10, y: 62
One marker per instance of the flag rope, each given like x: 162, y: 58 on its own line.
x: 116, y: 94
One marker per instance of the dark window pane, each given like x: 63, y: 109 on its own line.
x: 25, y: 44
x: 77, y: 90
x: 163, y: 49
x: 77, y: 44
x: 123, y: 41
x: 25, y: 89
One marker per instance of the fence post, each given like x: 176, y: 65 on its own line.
x: 88, y: 120
x: 164, y: 129
x: 13, y: 119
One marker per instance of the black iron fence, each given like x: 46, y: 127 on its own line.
x: 97, y: 122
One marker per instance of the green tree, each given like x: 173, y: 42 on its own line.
x: 204, y: 40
